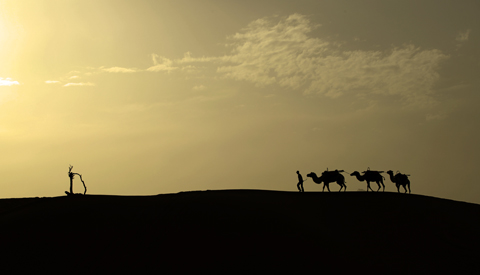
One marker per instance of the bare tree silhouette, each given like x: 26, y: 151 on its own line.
x: 329, y: 176
x: 71, y: 175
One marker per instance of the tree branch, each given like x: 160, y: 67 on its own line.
x: 82, y: 182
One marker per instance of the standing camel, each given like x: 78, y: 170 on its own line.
x: 400, y: 179
x: 329, y: 176
x: 370, y: 176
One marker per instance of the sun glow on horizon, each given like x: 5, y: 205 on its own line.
x: 148, y: 97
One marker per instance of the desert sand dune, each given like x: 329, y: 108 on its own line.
x: 241, y: 231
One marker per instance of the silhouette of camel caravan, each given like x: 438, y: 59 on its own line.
x: 400, y: 179
x: 370, y: 176
x: 329, y: 176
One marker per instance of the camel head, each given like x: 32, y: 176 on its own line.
x: 358, y: 176
x: 355, y: 173
x: 392, y: 177
x: 312, y: 175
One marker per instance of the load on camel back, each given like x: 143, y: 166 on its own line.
x: 329, y: 176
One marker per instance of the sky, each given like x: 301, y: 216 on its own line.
x: 150, y: 97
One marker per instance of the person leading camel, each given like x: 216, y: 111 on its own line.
x: 300, y: 182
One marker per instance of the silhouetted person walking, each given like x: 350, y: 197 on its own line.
x: 300, y: 182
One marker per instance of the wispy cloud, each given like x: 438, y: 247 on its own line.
x: 430, y: 117
x: 282, y: 52
x: 79, y: 84
x: 8, y: 82
x: 119, y: 70
x: 73, y: 77
x: 462, y: 38
x: 161, y: 63
x: 188, y: 58
x: 51, y: 81
x: 199, y: 88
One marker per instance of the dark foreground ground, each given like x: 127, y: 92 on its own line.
x: 240, y: 231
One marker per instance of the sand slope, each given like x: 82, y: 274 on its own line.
x: 240, y: 231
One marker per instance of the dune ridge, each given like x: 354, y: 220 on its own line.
x: 242, y: 231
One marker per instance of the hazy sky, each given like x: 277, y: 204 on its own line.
x: 149, y: 97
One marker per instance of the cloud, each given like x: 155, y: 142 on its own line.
x: 73, y: 77
x: 161, y: 63
x: 407, y: 71
x: 8, y: 82
x: 79, y: 84
x: 199, y: 88
x: 119, y: 70
x: 51, y: 81
x: 430, y: 117
x: 463, y: 36
x: 281, y: 52
x: 187, y: 58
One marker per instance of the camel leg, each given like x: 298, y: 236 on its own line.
x: 408, y: 188
x: 383, y: 186
x: 368, y: 186
x: 378, y: 186
x: 328, y: 187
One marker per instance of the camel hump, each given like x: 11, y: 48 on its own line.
x: 332, y: 173
x: 372, y: 171
x: 403, y: 175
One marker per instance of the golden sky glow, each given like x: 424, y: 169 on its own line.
x: 148, y: 97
